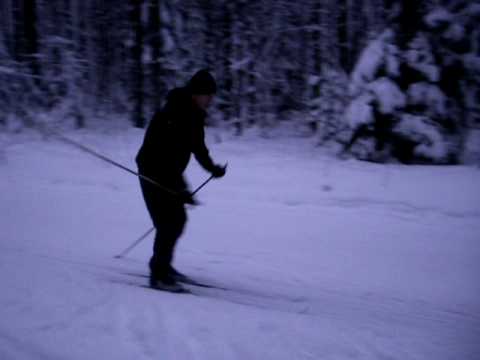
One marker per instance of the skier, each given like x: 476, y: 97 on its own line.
x: 174, y: 133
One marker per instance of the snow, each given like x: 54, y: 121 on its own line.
x: 371, y: 58
x: 6, y: 70
x: 472, y: 62
x: 471, y: 154
x: 455, y: 32
x: 383, y: 90
x: 323, y: 259
x: 429, y: 95
x: 392, y: 60
x: 472, y: 10
x: 419, y: 56
x: 424, y: 132
x: 438, y: 17
x: 359, y: 111
x: 389, y: 95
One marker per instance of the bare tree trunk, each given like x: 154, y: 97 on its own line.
x: 7, y: 26
x: 329, y: 45
x: 316, y: 40
x: 208, y: 9
x: 156, y: 43
x: 75, y: 84
x: 138, y: 118
x: 31, y: 37
x: 227, y: 56
x: 251, y: 44
x: 409, y: 21
x: 26, y: 56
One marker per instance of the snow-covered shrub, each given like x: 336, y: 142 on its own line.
x: 430, y: 96
x: 388, y: 94
x: 425, y: 134
x: 419, y: 57
x: 359, y: 111
x: 472, y: 148
x: 325, y: 110
x: 416, y: 102
x: 381, y: 55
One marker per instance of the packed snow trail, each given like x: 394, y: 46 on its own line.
x: 320, y: 259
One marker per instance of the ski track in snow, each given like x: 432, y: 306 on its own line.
x: 309, y: 270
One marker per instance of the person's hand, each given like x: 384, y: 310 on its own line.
x: 187, y: 198
x: 219, y: 171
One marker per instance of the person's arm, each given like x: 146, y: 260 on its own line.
x: 200, y: 151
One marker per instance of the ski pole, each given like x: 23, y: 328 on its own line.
x: 138, y: 241
x: 104, y: 158
x: 144, y: 236
x: 202, y: 185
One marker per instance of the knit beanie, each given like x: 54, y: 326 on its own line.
x: 202, y: 83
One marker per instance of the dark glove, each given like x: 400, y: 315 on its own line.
x: 219, y: 171
x: 187, y: 198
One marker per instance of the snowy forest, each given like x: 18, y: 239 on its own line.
x: 380, y: 80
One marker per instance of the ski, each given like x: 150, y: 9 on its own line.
x: 184, y: 280
x: 189, y: 281
x: 183, y: 290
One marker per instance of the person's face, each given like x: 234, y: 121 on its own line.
x: 203, y: 101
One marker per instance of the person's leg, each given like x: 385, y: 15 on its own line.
x: 169, y: 217
x: 170, y: 225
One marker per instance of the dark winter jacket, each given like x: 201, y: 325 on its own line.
x: 174, y: 133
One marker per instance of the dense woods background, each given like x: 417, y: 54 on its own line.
x: 381, y: 79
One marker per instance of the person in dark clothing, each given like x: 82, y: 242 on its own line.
x: 174, y: 133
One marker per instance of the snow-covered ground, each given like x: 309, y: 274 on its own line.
x: 320, y: 258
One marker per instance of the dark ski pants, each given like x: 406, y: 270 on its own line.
x: 169, y: 218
